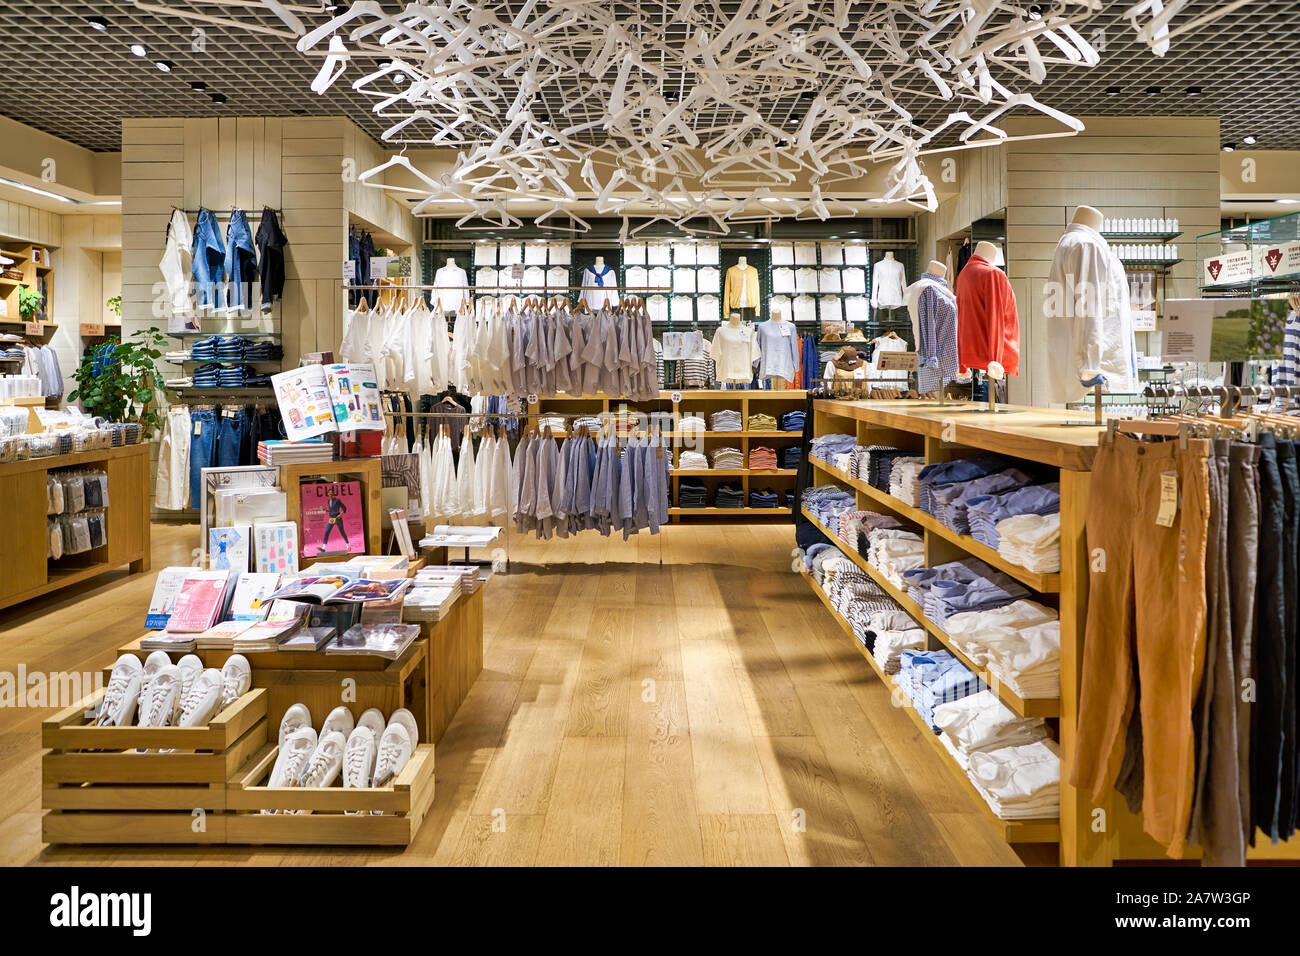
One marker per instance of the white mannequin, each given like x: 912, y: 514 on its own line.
x: 1087, y: 216
x: 600, y: 263
x: 777, y: 381
x: 734, y: 319
x: 889, y: 255
x: 451, y: 263
x: 937, y: 268
x: 987, y: 250
x: 742, y: 262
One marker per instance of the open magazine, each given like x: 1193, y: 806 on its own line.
x: 335, y: 588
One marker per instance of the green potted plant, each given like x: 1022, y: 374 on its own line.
x: 29, y: 304
x: 120, y: 380
x: 114, y: 305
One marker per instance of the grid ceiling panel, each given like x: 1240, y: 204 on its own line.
x: 67, y: 79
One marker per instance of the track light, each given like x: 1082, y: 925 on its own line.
x: 1193, y: 91
x: 164, y: 65
x: 198, y: 86
x: 218, y: 98
x: 1229, y: 147
x: 97, y: 23
x: 138, y: 49
x: 1114, y: 90
x: 1153, y: 90
x: 1249, y: 139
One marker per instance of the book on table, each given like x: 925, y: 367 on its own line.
x: 339, y: 588
x: 378, y: 640
x: 202, y: 601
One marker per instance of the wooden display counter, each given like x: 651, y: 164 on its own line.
x: 27, y: 572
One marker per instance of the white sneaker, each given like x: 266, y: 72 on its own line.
x: 293, y: 757
x: 236, y: 678
x: 164, y: 688
x: 340, y: 720
x: 152, y: 665
x: 407, y: 720
x: 373, y: 719
x: 359, y: 757
x: 395, y: 750
x: 203, y: 699
x: 325, y: 763
x: 122, y: 693
x: 191, y: 667
x: 295, y: 718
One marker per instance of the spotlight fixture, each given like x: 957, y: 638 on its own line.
x: 198, y: 86
x: 1249, y: 139
x: 1193, y: 91
x: 164, y: 65
x: 1229, y: 147
x: 218, y: 98
x: 138, y: 49
x: 97, y: 23
x: 1114, y: 91
x: 1153, y: 90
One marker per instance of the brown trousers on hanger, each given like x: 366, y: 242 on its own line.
x: 1147, y: 600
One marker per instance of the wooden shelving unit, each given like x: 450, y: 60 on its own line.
x: 34, y: 263
x: 704, y: 402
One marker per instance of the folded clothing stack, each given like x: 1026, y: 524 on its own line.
x: 231, y: 348
x: 894, y: 632
x: 762, y: 422
x: 1019, y: 783
x: 949, y: 501
x: 727, y: 420
x: 874, y: 464
x: 825, y: 502
x: 1019, y: 643
x: 960, y: 469
x: 985, y: 512
x: 762, y: 458
x: 891, y: 551
x: 728, y: 459
x: 1031, y: 541
x: 207, y: 376
x: 966, y: 585
x: 688, y: 460
x: 589, y: 422
x: 729, y: 495
x: 827, y: 447
x: 235, y: 376
x: 263, y: 350
x: 903, y: 483
x: 853, y: 527
x: 792, y: 421
x: 691, y: 494
x: 791, y: 456
x: 691, y: 423
x: 205, y: 350
x: 930, y: 678
x: 767, y: 498
x: 982, y: 723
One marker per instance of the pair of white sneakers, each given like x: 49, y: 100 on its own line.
x: 159, y: 693
x: 368, y: 752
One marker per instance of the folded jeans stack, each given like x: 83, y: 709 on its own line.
x: 982, y: 723
x: 762, y: 458
x: 728, y: 459
x: 791, y: 456
x: 729, y: 495
x: 985, y: 512
x: 950, y: 500
x: 727, y: 420
x: 691, y: 494
x: 231, y: 348
x: 208, y: 376
x: 1031, y: 541
x: 766, y: 498
x: 792, y: 421
x: 235, y: 376
x: 263, y: 350
x: 205, y: 350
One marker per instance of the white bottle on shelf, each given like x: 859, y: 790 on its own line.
x: 1173, y: 226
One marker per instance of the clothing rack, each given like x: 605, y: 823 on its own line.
x: 510, y: 288
x: 217, y: 212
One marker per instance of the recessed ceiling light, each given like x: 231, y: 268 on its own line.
x: 138, y: 49
x: 1193, y: 91
x: 164, y: 65
x: 97, y: 23
x: 1153, y: 90
x: 198, y: 86
x: 1229, y: 147
x: 1114, y: 91
x: 1288, y: 202
x: 34, y: 189
x: 1249, y: 140
x: 218, y: 98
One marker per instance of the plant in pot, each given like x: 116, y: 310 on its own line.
x: 120, y: 380
x: 29, y: 304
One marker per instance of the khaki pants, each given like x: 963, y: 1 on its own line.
x: 1147, y: 600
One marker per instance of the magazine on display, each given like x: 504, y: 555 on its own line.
x: 229, y: 548
x: 305, y: 403
x: 201, y: 602
x: 251, y: 592
x: 378, y: 640
x: 275, y: 547
x: 354, y: 391
x: 165, y: 592
x: 333, y: 588
x: 332, y: 518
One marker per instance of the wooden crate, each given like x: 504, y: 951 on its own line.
x: 405, y: 805
x: 97, y: 789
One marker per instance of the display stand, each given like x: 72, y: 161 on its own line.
x: 27, y: 572
x: 365, y: 470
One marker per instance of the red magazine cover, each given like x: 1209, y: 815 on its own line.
x: 332, y: 519
x: 200, y: 602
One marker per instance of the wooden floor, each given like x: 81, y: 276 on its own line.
x: 706, y: 711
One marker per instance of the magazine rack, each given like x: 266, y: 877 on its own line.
x: 364, y: 470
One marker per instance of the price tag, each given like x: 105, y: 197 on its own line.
x: 349, y: 270
x: 198, y: 427
x: 677, y: 398
x: 785, y: 330
x: 517, y: 272
x: 744, y: 334
x: 33, y: 328
x: 897, y: 362
x: 1144, y: 320
x: 92, y: 328
x: 1168, y: 500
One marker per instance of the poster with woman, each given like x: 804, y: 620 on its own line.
x: 332, y: 518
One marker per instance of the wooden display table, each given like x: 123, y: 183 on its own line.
x: 27, y: 572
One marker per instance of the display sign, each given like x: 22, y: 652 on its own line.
x: 517, y: 272
x: 1233, y: 268
x: 349, y: 270
x: 33, y: 328
x: 677, y: 398
x: 897, y: 361
x: 92, y: 328
x: 1277, y: 259
x: 1144, y: 320
x: 1188, y: 327
x: 379, y: 265
x: 1223, y: 330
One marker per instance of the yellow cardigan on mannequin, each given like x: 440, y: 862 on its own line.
x: 731, y: 298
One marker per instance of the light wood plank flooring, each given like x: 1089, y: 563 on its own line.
x: 702, y: 711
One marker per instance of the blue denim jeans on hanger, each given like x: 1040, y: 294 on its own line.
x: 240, y: 262
x: 232, y: 429
x: 203, y: 450
x: 209, y: 259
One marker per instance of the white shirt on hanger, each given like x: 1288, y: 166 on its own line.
x: 683, y: 280
x: 783, y: 281
x: 805, y: 254
x: 782, y: 254
x: 448, y: 292
x: 805, y: 280
x: 828, y: 280
x: 832, y: 253
x: 855, y: 254
x: 634, y: 254
x: 804, y: 308
x: 682, y: 309
x: 560, y: 255
x: 708, y: 308
x: 831, y: 309
x: 485, y: 254
x: 889, y: 284
x: 855, y: 309
x: 708, y: 280
x: 683, y: 253
x: 854, y: 280
x: 484, y: 279
x: 557, y: 278
x: 707, y: 254
x: 657, y: 253
x: 535, y: 254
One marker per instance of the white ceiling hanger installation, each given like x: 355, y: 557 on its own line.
x: 712, y: 110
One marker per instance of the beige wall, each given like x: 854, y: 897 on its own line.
x: 78, y: 172
x: 1162, y: 167
x: 981, y: 190
x: 376, y: 208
